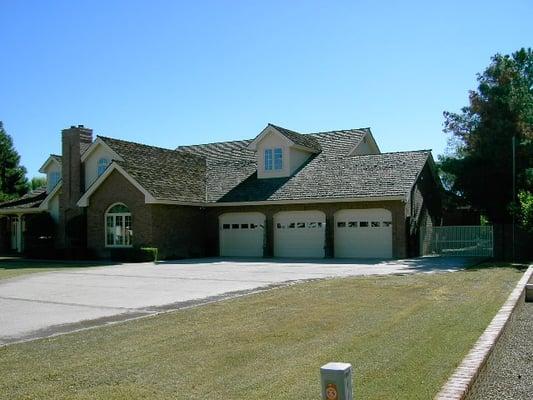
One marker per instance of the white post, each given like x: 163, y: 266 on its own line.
x: 19, y: 233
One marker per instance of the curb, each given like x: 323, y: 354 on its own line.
x: 459, y: 384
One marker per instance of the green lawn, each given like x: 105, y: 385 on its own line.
x: 12, y: 269
x: 404, y: 335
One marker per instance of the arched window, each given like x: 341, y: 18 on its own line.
x: 102, y: 165
x: 118, y: 226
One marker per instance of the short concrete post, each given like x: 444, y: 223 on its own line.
x: 529, y: 292
x: 336, y: 381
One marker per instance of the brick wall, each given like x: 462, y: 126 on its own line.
x: 397, y: 208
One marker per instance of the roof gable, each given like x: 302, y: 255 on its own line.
x: 292, y: 138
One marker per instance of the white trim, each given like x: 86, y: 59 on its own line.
x: 269, y: 130
x: 50, y: 196
x: 48, y: 161
x: 275, y: 202
x: 84, y: 200
x: 94, y: 145
x: 371, y: 142
x: 123, y: 215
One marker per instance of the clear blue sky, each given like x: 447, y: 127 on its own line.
x: 173, y: 72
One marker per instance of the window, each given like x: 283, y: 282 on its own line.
x: 53, y: 179
x: 352, y: 224
x: 268, y: 160
x: 225, y: 226
x: 375, y: 224
x: 102, y: 165
x: 244, y: 226
x: 273, y: 159
x: 300, y: 225
x: 278, y: 159
x: 234, y: 226
x: 386, y: 224
x: 341, y: 224
x: 118, y: 226
x: 363, y: 224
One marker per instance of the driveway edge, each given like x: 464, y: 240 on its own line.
x: 459, y: 384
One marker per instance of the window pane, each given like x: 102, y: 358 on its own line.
x: 341, y: 224
x: 128, y: 233
x: 352, y: 224
x: 363, y: 224
x: 300, y: 225
x: 253, y: 226
x: 387, y: 223
x: 312, y: 224
x: 278, y: 159
x: 292, y: 225
x: 375, y: 224
x: 225, y: 226
x: 119, y: 230
x: 244, y: 226
x: 268, y: 159
x: 109, y: 231
x: 234, y: 226
x: 119, y: 208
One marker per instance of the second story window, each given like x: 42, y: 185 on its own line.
x: 268, y: 160
x: 273, y: 159
x: 53, y: 178
x: 102, y: 165
x: 278, y: 159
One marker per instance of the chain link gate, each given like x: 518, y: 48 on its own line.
x: 474, y: 241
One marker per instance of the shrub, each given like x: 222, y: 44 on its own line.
x: 134, y: 254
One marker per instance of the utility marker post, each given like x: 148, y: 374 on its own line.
x: 336, y: 381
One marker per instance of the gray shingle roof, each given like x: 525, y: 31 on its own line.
x: 226, y: 171
x: 32, y: 199
x: 165, y: 174
x: 308, y: 141
x: 380, y: 175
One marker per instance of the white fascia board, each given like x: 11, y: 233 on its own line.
x: 84, y: 200
x: 94, y: 145
x: 50, y: 196
x: 268, y: 130
x: 48, y: 161
x: 282, y: 202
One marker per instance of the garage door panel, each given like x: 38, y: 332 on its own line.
x: 299, y: 234
x: 363, y: 233
x: 242, y: 234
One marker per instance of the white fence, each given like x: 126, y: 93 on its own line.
x: 457, y: 241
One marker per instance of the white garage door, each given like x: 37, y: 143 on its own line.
x: 299, y: 234
x: 363, y: 233
x: 242, y: 234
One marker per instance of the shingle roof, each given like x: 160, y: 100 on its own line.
x: 165, y: 174
x: 32, y: 199
x: 380, y: 175
x: 227, y: 171
x: 308, y: 141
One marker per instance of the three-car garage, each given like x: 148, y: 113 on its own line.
x: 357, y: 233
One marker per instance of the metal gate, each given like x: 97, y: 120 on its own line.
x: 457, y: 241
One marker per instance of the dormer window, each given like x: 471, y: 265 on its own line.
x: 273, y: 159
x: 278, y: 159
x: 102, y: 165
x: 53, y: 179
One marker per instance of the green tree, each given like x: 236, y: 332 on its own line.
x: 37, y: 182
x: 13, y: 182
x: 479, y: 165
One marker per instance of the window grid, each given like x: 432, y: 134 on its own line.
x: 268, y: 159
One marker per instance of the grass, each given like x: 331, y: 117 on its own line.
x: 13, y: 269
x: 404, y: 335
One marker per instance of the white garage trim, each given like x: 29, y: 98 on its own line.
x: 363, y: 233
x: 300, y: 234
x: 241, y: 234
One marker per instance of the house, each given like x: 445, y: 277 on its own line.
x: 281, y: 194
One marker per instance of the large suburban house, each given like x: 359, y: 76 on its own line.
x: 280, y: 194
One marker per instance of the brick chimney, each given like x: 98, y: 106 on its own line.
x: 71, y: 217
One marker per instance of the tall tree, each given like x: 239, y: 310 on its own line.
x: 37, y: 182
x: 13, y: 182
x: 479, y: 167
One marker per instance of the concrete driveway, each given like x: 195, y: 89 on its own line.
x: 47, y: 304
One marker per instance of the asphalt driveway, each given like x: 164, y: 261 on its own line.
x: 47, y: 304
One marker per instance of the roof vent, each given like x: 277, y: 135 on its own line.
x: 81, y: 126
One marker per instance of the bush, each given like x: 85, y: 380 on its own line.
x: 135, y: 254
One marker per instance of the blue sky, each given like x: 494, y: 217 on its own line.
x: 168, y: 73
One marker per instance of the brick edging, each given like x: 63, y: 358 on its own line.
x: 458, y: 385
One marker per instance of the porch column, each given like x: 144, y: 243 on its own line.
x: 19, y: 233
